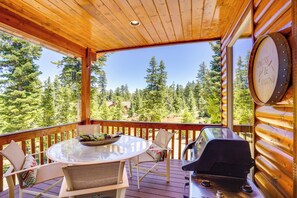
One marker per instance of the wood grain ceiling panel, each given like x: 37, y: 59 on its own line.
x: 129, y: 12
x: 124, y: 18
x: 63, y: 12
x: 207, y: 29
x: 173, y: 7
x: 28, y: 13
x: 186, y: 16
x: 163, y: 12
x: 197, y: 12
x: 103, y: 25
x: 145, y: 19
x: 154, y: 16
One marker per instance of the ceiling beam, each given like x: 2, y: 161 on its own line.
x: 17, y: 25
x: 158, y: 45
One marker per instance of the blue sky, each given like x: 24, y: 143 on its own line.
x: 129, y: 67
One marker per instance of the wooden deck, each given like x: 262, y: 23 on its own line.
x: 151, y: 186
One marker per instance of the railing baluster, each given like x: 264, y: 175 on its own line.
x: 179, y: 144
x: 172, y: 144
x: 67, y: 135
x: 56, y: 138
x: 61, y: 136
x: 146, y: 133
x: 23, y: 143
x: 129, y: 130
x: 153, y: 135
x: 49, y: 143
x: 187, y: 141
x: 33, y: 145
x: 41, y: 150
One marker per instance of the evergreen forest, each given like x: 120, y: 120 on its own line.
x: 26, y: 102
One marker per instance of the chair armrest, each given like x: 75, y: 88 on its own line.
x: 10, y: 171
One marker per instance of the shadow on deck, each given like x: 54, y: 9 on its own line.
x: 151, y: 186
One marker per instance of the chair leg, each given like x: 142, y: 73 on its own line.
x: 130, y: 167
x: 168, y: 167
x: 10, y: 183
x: 20, y: 193
x: 137, y: 167
x: 121, y: 193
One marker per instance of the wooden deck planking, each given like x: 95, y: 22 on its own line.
x: 151, y: 186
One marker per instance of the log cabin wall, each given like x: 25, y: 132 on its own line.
x: 274, y: 124
x: 273, y: 128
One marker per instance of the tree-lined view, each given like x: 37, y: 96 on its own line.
x: 26, y: 102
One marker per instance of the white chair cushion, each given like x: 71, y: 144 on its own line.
x: 156, y: 152
x: 29, y: 177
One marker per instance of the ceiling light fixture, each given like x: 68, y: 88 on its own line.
x: 134, y: 23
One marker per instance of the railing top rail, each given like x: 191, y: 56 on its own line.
x: 155, y: 123
x: 34, y: 133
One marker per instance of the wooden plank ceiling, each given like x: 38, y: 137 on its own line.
x: 103, y: 25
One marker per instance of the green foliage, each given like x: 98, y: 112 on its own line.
x: 47, y: 105
x: 243, y: 104
x: 24, y: 104
x: 155, y: 93
x: 21, y: 89
x: 213, y: 85
x: 118, y: 109
x: 188, y: 116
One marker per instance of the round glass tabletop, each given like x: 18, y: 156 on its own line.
x: 73, y: 152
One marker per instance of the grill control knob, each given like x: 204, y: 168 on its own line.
x: 205, y: 183
x: 219, y: 194
x: 247, y: 188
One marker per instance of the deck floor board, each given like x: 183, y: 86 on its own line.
x: 151, y: 186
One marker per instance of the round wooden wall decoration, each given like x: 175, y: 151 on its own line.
x: 270, y: 68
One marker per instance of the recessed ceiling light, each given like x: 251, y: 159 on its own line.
x: 134, y: 23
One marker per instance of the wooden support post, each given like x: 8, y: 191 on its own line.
x: 86, y: 86
x: 230, y: 87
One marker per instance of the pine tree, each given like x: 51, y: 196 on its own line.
x: 213, y: 85
x: 202, y: 92
x: 118, y: 109
x: 188, y: 116
x: 154, y: 94
x: 152, y: 76
x: 21, y: 89
x: 105, y: 112
x: 242, y: 100
x: 47, y: 105
x: 57, y: 99
x: 189, y: 96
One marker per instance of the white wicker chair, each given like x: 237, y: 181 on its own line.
x: 95, y: 180
x: 162, y: 140
x: 45, y: 172
x: 87, y: 129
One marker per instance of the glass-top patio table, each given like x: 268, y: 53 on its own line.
x: 73, y: 152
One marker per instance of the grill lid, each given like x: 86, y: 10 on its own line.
x: 219, y: 151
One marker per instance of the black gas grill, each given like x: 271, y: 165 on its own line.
x: 219, y: 163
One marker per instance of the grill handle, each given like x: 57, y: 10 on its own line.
x: 189, y: 146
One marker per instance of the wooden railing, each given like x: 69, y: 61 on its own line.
x: 183, y: 132
x: 38, y: 140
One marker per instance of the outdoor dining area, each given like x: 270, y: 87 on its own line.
x: 97, y: 164
x: 88, y: 165
x: 95, y: 157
